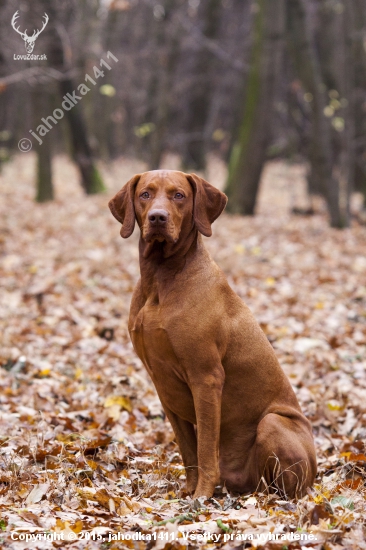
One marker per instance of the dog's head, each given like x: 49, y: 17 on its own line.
x: 164, y: 203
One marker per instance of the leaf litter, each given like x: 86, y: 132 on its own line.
x: 85, y: 447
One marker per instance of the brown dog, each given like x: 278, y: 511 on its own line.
x: 235, y: 416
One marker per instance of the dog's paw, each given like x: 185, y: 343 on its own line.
x: 192, y: 481
x: 200, y: 497
x: 204, y: 491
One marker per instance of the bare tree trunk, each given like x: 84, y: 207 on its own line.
x: 91, y: 180
x: 195, y: 152
x: 346, y: 128
x: 360, y: 96
x: 4, y: 134
x: 167, y: 45
x: 307, y: 64
x: 44, y: 185
x: 249, y: 153
x: 337, y: 63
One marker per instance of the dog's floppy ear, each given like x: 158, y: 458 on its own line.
x: 122, y: 207
x: 209, y: 202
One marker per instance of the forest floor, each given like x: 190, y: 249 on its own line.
x: 86, y: 455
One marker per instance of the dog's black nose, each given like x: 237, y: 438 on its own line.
x: 158, y: 217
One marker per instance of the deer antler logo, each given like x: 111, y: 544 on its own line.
x: 29, y: 40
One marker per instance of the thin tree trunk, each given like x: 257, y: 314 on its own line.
x: 167, y: 45
x: 44, y: 184
x: 91, y: 180
x: 307, y: 66
x: 198, y: 108
x: 249, y: 153
x: 360, y: 180
x: 359, y: 100
x: 347, y: 136
x: 337, y: 64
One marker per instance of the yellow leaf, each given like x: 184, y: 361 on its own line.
x: 103, y: 497
x: 92, y: 464
x: 218, y: 134
x: 87, y: 493
x: 328, y: 111
x: 122, y: 402
x: 144, y: 129
x: 24, y: 489
x: 270, y: 281
x: 123, y: 510
x: 114, y: 411
x: 45, y: 372
x: 108, y: 90
x: 127, y: 501
x: 239, y: 249
x: 78, y: 373
x: 338, y: 123
x: 334, y: 405
x: 256, y: 250
x: 60, y: 525
x: 319, y: 305
x: 77, y: 527
x: 132, y: 504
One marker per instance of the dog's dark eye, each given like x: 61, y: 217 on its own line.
x: 179, y: 196
x: 145, y: 195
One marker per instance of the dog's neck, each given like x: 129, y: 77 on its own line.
x: 161, y: 262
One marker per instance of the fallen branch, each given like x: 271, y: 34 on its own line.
x: 182, y: 517
x: 222, y: 526
x: 36, y: 72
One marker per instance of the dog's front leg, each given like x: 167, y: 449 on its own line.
x: 187, y: 443
x: 207, y: 394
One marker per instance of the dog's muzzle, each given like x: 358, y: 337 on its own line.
x: 158, y: 218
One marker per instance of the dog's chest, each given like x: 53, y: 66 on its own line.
x: 150, y: 338
x: 152, y: 342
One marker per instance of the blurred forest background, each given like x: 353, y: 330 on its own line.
x: 244, y: 80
